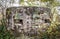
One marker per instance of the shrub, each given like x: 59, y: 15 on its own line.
x: 4, y: 34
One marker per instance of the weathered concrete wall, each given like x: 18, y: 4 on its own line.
x: 30, y: 18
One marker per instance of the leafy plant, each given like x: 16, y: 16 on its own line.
x: 4, y: 33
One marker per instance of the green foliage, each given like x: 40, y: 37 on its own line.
x: 52, y: 32
x: 21, y: 1
x: 52, y: 3
x: 47, y: 0
x: 4, y: 33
